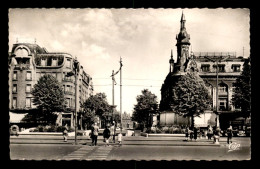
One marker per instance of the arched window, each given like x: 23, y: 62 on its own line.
x: 222, y: 88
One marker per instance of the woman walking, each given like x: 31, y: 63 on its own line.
x: 106, y: 135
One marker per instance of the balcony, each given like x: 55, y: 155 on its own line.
x: 222, y: 93
x: 67, y: 80
x: 68, y: 93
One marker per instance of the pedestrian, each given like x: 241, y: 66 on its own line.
x: 216, y: 135
x: 112, y: 131
x: 191, y: 133
x: 210, y: 132
x: 106, y: 135
x: 195, y: 131
x: 119, y: 138
x: 229, y: 134
x: 186, y: 133
x: 95, y: 131
x: 65, y: 133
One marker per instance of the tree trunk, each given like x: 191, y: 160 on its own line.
x: 192, y: 122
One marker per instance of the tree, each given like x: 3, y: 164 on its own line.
x: 95, y: 105
x: 146, y: 106
x: 48, y: 97
x: 190, y: 96
x: 242, y: 94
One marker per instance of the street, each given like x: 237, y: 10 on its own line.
x: 130, y: 152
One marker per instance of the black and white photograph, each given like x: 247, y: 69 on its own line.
x: 104, y: 84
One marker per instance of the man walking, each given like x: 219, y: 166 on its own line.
x: 95, y: 131
x: 229, y: 135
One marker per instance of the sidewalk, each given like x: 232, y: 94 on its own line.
x: 131, y: 140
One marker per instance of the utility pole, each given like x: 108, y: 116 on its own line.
x: 217, y: 69
x: 121, y: 91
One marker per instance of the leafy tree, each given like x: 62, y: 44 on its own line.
x: 190, y: 96
x: 146, y: 106
x: 95, y: 105
x: 48, y: 97
x: 242, y: 93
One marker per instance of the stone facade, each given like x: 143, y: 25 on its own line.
x: 205, y: 63
x: 28, y: 62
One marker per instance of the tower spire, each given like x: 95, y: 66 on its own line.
x: 182, y: 21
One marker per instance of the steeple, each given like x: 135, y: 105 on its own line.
x: 183, y: 43
x: 171, y: 61
x: 182, y: 21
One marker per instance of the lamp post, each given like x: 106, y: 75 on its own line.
x: 217, y: 62
x: 75, y: 73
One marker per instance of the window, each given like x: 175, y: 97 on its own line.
x: 14, y: 102
x: 28, y: 75
x: 68, y: 102
x: 28, y: 102
x: 221, y: 68
x: 223, y: 104
x: 68, y: 63
x: 43, y: 62
x: 205, y: 68
x: 15, y: 75
x: 28, y: 88
x: 236, y: 68
x: 14, y: 88
x: 54, y: 62
x: 67, y: 89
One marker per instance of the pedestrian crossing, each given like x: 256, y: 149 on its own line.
x: 79, y: 154
x: 101, y: 153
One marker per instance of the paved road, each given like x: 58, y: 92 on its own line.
x: 130, y: 152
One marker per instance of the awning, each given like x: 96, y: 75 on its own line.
x: 15, y: 117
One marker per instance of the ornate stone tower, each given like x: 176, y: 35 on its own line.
x: 183, y: 45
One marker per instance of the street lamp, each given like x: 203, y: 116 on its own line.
x: 217, y: 62
x: 75, y: 73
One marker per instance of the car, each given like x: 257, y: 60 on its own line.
x: 14, y: 130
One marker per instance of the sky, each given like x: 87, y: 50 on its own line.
x: 143, y: 38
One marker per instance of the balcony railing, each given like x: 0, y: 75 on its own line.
x: 215, y: 54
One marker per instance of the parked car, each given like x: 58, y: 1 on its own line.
x: 14, y: 130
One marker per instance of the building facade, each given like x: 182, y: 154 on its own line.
x: 205, y: 63
x: 126, y: 121
x: 28, y: 62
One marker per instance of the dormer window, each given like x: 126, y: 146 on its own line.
x: 205, y: 67
x: 68, y: 65
x: 43, y: 62
x: 236, y: 67
x: 221, y: 67
x: 54, y: 62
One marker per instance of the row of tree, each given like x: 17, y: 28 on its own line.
x: 190, y: 98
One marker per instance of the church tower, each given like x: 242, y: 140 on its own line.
x: 183, y: 44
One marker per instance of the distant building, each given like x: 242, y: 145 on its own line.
x: 126, y: 121
x: 205, y: 64
x: 27, y: 63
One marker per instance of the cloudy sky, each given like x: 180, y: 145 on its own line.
x: 142, y: 37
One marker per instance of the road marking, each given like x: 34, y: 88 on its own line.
x: 100, y: 154
x: 78, y: 154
